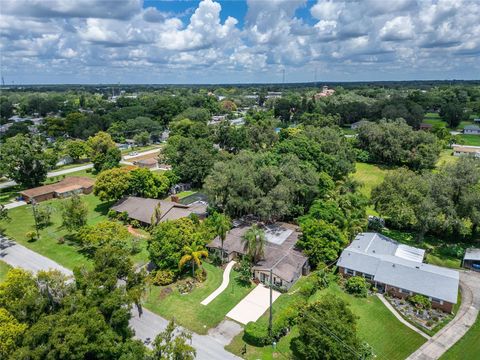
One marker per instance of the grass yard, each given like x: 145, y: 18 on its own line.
x: 187, y: 309
x: 9, y: 194
x: 65, y: 254
x: 184, y: 194
x: 140, y: 149
x: 434, y: 120
x: 4, y: 267
x: 468, y: 139
x: 468, y: 347
x: 446, y: 158
x: 389, y: 338
x: 438, y: 251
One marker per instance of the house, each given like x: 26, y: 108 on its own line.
x: 472, y: 129
x: 149, y: 163
x: 64, y: 188
x: 399, y: 270
x: 142, y: 209
x: 324, y: 93
x: 357, y: 124
x: 426, y: 127
x: 286, y: 262
x: 462, y: 150
x: 471, y: 260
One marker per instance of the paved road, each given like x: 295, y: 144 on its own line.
x: 51, y: 174
x: 455, y: 329
x: 209, y: 347
x: 19, y: 256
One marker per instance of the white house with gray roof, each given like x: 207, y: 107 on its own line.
x: 399, y: 270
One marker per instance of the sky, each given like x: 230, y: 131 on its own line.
x: 208, y: 42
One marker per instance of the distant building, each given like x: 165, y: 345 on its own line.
x: 426, y: 127
x: 357, y: 124
x: 471, y: 260
x: 324, y: 93
x: 399, y: 270
x: 476, y: 120
x: 472, y: 129
x: 462, y: 150
x: 64, y: 188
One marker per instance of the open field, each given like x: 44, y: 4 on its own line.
x: 4, y: 267
x: 187, y: 310
x: 468, y: 347
x: 389, y: 338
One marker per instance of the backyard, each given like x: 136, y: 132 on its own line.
x: 389, y: 338
x: 187, y: 309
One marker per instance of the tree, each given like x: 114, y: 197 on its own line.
x: 322, y: 242
x: 192, y: 254
x: 328, y: 330
x: 157, y: 215
x: 74, y: 213
x: 112, y: 184
x: 142, y: 138
x: 222, y: 224
x: 357, y: 286
x: 93, y: 237
x: 75, y: 149
x: 43, y: 214
x: 103, y: 151
x: 453, y: 113
x: 171, y: 344
x: 254, y: 243
x: 23, y: 159
x: 11, y: 331
x: 145, y: 183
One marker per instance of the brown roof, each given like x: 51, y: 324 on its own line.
x: 281, y: 254
x: 78, y: 181
x: 142, y: 209
x: 466, y: 149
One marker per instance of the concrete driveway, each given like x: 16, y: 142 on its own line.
x: 253, y: 305
x: 19, y: 256
x: 455, y: 329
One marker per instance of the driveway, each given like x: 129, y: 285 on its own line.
x: 455, y: 329
x: 19, y: 256
x: 253, y: 305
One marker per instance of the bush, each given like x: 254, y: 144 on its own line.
x: 135, y: 247
x: 135, y: 223
x: 245, y: 273
x: 123, y: 216
x: 61, y: 240
x: 420, y: 301
x: 357, y: 286
x: 31, y: 235
x: 200, y: 274
x: 257, y: 334
x: 112, y: 214
x: 164, y: 277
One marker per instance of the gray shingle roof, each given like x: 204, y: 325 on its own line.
x: 472, y: 254
x: 399, y: 265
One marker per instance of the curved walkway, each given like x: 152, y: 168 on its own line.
x: 400, y: 318
x: 223, y: 286
x: 455, y: 329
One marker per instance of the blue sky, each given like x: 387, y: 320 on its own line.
x: 136, y: 41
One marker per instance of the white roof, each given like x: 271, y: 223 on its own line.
x: 472, y: 254
x: 399, y: 265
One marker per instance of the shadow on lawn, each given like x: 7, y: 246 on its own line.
x: 103, y: 208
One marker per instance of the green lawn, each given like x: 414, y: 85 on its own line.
x: 188, y: 310
x: 65, y: 254
x: 140, y: 149
x: 389, y: 338
x: 9, y: 194
x: 446, y: 158
x: 468, y: 139
x: 4, y: 267
x: 184, y: 194
x: 434, y: 120
x: 468, y: 347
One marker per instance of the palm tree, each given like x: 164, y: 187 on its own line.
x: 221, y: 224
x: 254, y: 243
x: 192, y: 253
x: 157, y: 215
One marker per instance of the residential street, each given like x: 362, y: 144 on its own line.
x: 147, y: 326
x: 455, y: 329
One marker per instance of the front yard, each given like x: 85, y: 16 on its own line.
x: 468, y: 347
x: 389, y: 338
x: 187, y: 309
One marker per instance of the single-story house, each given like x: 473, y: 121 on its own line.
x: 142, y: 209
x: 471, y: 260
x: 64, y: 188
x: 426, y: 127
x: 472, y: 129
x: 461, y: 150
x: 280, y: 255
x: 399, y: 270
x: 150, y: 163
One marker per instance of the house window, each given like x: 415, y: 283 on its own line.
x: 263, y: 277
x: 368, y: 276
x: 350, y: 272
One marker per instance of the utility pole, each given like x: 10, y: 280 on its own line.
x: 34, y: 208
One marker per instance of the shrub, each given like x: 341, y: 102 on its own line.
x: 112, y: 214
x: 357, y: 286
x: 200, y: 274
x: 420, y: 301
x: 123, y: 216
x: 135, y: 223
x: 61, y: 240
x: 31, y: 235
x: 135, y: 247
x: 164, y: 277
x: 257, y: 334
x: 245, y: 273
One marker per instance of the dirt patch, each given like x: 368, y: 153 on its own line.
x: 134, y: 232
x: 165, y: 292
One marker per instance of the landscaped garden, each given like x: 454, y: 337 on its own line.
x: 388, y: 337
x: 169, y: 302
